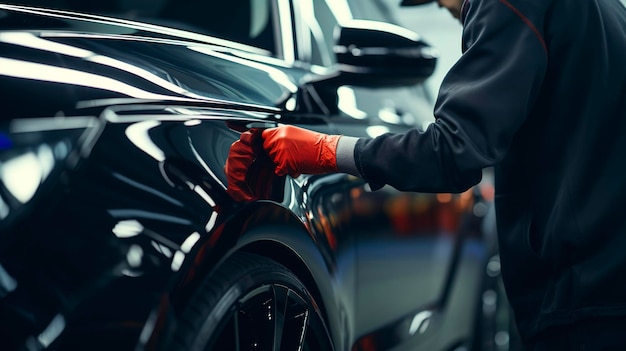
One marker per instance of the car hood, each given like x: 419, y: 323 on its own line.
x: 94, y: 57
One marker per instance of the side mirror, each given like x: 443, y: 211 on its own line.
x: 378, y: 54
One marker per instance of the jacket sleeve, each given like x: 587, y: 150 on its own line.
x: 482, y: 102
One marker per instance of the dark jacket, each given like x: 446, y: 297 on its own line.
x: 540, y: 94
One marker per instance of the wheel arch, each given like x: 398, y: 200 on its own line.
x: 304, y: 260
x: 272, y: 231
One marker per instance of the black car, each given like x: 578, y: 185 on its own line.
x: 117, y: 232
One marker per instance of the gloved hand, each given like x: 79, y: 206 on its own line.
x: 241, y: 156
x: 282, y: 150
x: 295, y: 150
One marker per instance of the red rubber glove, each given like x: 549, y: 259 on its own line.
x: 240, y: 157
x: 295, y: 150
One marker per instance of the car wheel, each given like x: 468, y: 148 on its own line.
x: 252, y: 303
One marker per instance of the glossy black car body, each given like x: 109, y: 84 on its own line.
x: 117, y: 232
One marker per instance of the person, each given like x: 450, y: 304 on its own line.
x: 539, y: 93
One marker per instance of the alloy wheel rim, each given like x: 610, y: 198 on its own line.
x: 272, y: 317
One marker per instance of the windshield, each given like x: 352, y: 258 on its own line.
x: 244, y: 21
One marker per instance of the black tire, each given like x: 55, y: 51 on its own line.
x: 252, y: 303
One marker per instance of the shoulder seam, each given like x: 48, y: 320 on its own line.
x: 527, y: 22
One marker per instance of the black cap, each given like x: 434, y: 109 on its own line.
x: 415, y: 2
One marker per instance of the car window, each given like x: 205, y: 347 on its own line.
x: 249, y: 22
x: 244, y: 21
x: 370, y: 10
x: 317, y: 24
x: 324, y: 39
x: 320, y: 19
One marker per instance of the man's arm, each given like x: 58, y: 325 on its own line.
x: 483, y: 100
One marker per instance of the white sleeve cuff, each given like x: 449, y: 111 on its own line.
x: 345, y: 155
